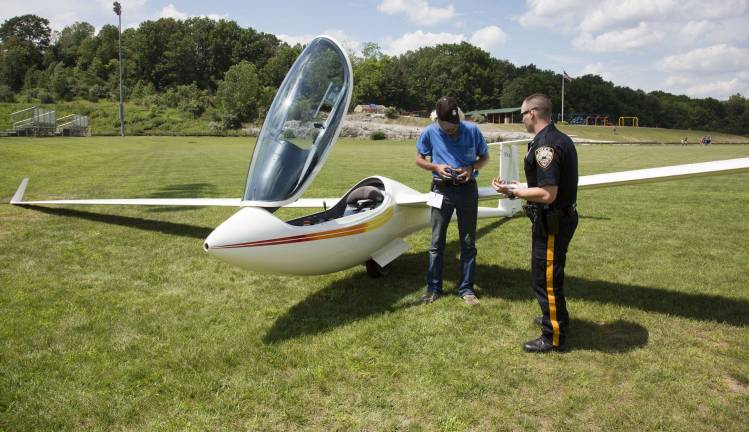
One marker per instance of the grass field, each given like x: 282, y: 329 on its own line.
x: 113, y: 318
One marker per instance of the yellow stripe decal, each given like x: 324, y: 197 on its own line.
x: 374, y: 224
x: 550, y: 289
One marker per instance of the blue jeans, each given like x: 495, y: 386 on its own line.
x: 462, y: 199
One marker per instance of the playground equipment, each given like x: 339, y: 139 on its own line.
x: 634, y: 120
x: 591, y: 120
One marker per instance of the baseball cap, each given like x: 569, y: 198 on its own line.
x: 447, y: 110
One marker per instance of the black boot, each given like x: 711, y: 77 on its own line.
x: 541, y: 345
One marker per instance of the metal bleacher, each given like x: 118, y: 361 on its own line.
x: 37, y: 122
x: 34, y: 121
x: 73, y: 125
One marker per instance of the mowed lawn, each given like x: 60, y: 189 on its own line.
x: 113, y: 318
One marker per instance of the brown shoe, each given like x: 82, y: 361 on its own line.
x: 471, y: 300
x: 430, y: 297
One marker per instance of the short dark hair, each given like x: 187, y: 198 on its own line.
x: 542, y: 103
x: 447, y: 110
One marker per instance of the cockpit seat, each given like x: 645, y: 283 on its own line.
x: 365, y: 197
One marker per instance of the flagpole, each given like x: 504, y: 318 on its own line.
x: 562, y: 97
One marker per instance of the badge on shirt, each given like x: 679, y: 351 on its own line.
x: 544, y: 156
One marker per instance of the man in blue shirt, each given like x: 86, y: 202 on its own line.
x: 456, y: 151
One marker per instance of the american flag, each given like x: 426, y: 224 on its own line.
x: 565, y: 76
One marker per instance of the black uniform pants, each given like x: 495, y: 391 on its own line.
x: 548, y: 257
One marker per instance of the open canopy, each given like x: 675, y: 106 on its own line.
x: 301, y: 126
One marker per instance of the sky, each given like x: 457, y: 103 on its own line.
x: 693, y: 47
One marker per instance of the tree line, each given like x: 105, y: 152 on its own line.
x: 231, y: 73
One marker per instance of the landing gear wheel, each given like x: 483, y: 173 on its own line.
x: 374, y: 270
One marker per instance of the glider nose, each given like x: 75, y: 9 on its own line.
x: 233, y: 240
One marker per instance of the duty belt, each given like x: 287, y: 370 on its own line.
x: 568, y: 211
x: 532, y: 209
x: 451, y: 182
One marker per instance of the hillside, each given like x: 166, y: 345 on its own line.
x: 142, y: 120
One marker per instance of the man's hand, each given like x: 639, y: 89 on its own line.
x: 502, y: 186
x: 464, y: 173
x: 444, y: 170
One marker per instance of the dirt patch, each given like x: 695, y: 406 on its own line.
x: 736, y: 386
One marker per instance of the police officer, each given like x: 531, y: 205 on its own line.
x: 456, y: 151
x: 551, y: 172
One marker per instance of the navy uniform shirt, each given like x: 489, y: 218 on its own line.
x: 552, y: 160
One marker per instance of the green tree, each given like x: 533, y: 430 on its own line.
x: 276, y: 68
x: 523, y: 86
x: 371, y: 50
x: 60, y: 84
x: 459, y: 70
x: 394, y: 85
x: 238, y: 93
x: 70, y: 40
x: 368, y: 81
x: 30, y: 28
x: 16, y: 57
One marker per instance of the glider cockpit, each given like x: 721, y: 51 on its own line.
x: 368, y: 195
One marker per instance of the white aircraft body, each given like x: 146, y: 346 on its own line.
x: 368, y: 223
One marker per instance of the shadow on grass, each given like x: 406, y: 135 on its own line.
x: 615, y: 337
x: 178, y: 229
x: 185, y: 190
x: 357, y: 297
x: 595, y: 217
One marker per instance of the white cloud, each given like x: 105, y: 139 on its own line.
x: 594, y: 69
x: 616, y: 14
x: 581, y: 15
x: 716, y: 71
x: 418, y: 39
x: 559, y: 14
x: 699, y: 47
x: 349, y: 44
x: 615, y: 72
x: 418, y: 11
x: 295, y: 39
x: 489, y: 38
x: 619, y: 40
x: 680, y: 22
x: 170, y: 11
x: 718, y: 58
x: 696, y: 86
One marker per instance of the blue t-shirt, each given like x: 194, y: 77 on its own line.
x: 463, y: 150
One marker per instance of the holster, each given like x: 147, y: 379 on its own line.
x: 531, y: 211
x: 545, y: 220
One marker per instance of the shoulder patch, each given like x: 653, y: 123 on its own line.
x: 544, y: 156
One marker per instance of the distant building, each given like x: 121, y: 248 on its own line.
x: 496, y: 115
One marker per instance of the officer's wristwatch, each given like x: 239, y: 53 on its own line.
x: 511, y: 195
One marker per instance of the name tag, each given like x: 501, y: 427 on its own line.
x: 434, y: 200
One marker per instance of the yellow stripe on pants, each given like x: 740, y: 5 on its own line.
x: 550, y: 289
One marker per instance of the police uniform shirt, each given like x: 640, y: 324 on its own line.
x: 460, y: 151
x: 552, y: 161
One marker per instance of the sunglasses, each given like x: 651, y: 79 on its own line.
x: 522, y: 114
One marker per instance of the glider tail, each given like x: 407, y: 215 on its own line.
x: 509, y: 170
